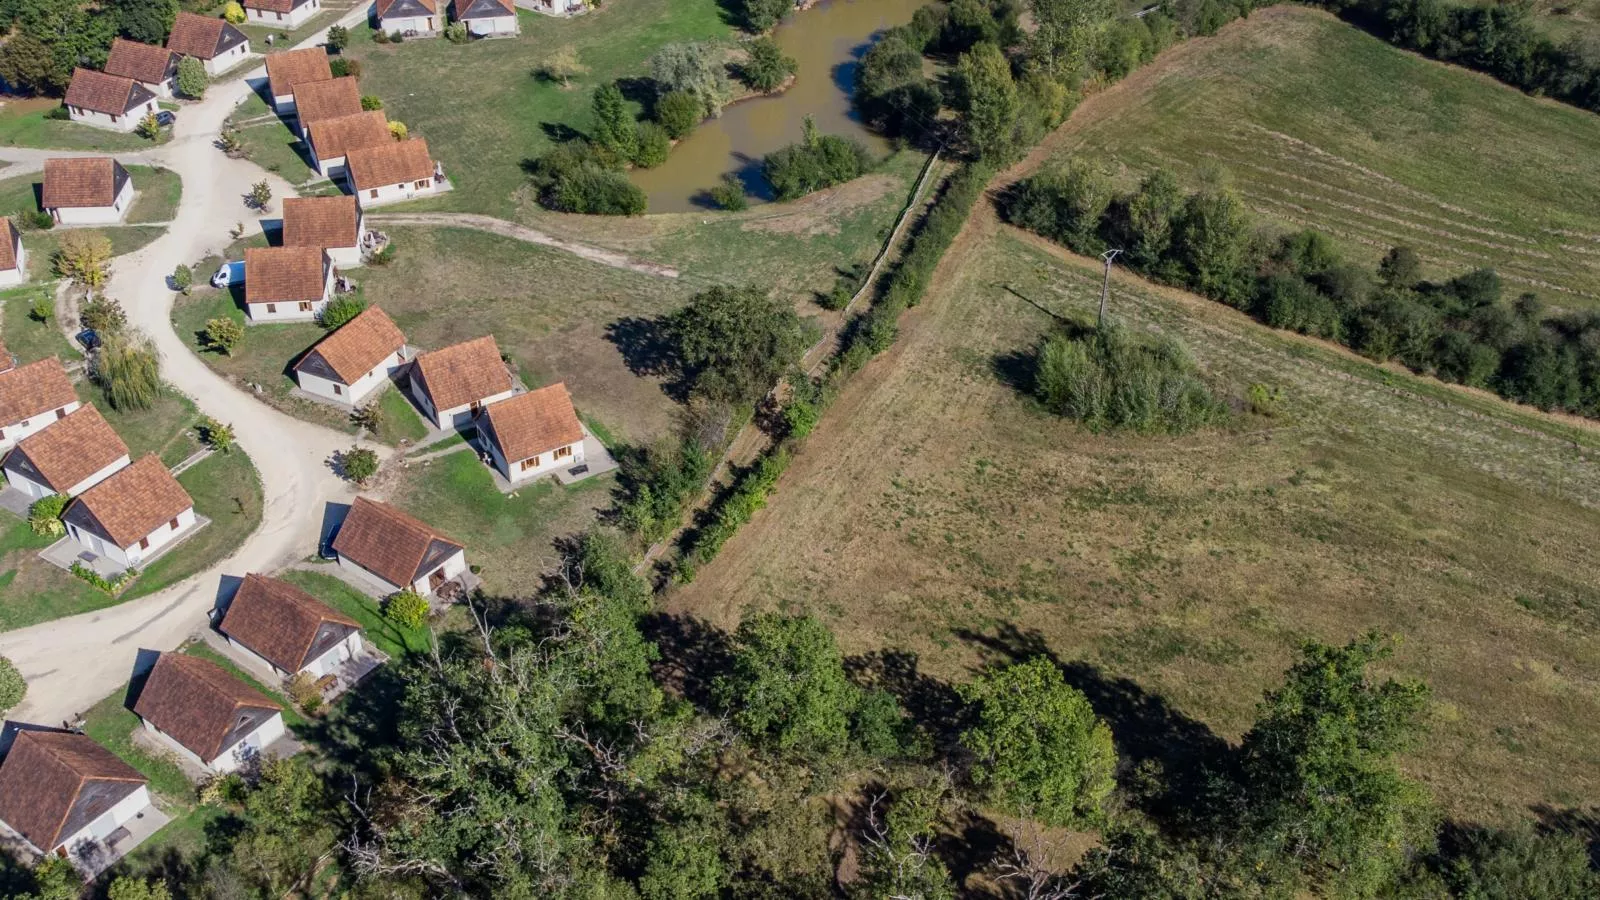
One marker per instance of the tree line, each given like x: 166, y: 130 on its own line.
x: 1461, y: 329
x: 577, y: 745
x: 48, y: 38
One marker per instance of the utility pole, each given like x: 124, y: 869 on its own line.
x: 1105, y: 289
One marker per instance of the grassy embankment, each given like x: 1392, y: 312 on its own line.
x: 1318, y: 124
x: 939, y: 509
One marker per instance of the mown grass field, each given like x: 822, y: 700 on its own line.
x: 1318, y: 124
x: 483, y: 109
x: 23, y: 124
x: 938, y: 509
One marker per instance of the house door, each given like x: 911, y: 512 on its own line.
x: 430, y: 23
x: 436, y: 580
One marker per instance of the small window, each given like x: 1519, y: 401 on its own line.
x: 422, y: 184
x: 530, y: 463
x: 61, y: 413
x: 173, y: 524
x: 563, y: 452
x: 272, y: 308
x: 305, y: 306
x: 373, y: 193
x: 144, y: 543
x: 116, y: 118
x: 279, y: 15
x: 24, y: 423
x: 337, y: 390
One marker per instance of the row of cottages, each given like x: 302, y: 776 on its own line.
x: 294, y: 281
x: 421, y: 18
x: 206, y: 715
x: 135, y: 75
x: 86, y: 190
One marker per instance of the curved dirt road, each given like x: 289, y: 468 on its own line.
x: 72, y: 663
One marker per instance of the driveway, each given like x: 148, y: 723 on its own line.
x: 70, y: 664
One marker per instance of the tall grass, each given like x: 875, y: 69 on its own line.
x: 1110, y: 381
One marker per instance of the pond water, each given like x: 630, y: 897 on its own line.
x: 828, y: 41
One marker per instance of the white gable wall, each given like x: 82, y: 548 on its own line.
x: 450, y: 568
x: 123, y: 123
x: 351, y: 394
x: 417, y: 26
x: 132, y: 556
x: 96, y: 215
x: 216, y: 65
x: 493, y: 26
x: 329, y: 662
x: 287, y: 21
x: 36, y: 490
x: 12, y: 432
x: 112, y: 819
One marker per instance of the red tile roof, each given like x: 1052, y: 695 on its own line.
x: 284, y: 274
x: 333, y: 138
x: 36, y: 388
x: 199, y: 705
x: 390, y: 544
x: 319, y: 101
x: 10, y: 244
x: 68, y: 451
x: 54, y: 783
x: 292, y: 68
x: 357, y: 347
x: 113, y: 95
x: 321, y: 222
x: 141, y: 62
x: 72, y: 182
x: 407, y: 8
x: 277, y: 6
x: 282, y: 624
x: 483, y: 9
x: 203, y: 37
x: 463, y: 373
x: 131, y: 504
x: 533, y: 423
x: 396, y: 163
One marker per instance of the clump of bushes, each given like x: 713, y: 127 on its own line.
x: 1110, y: 381
x: 818, y: 161
x: 358, y: 464
x: 407, y: 608
x: 729, y: 193
x: 766, y: 66
x: 575, y: 177
x: 679, y: 112
x: 748, y: 494
x: 343, y: 308
x: 44, y: 515
x: 12, y: 686
x: 658, y: 483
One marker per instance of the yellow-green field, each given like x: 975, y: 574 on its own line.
x: 1318, y: 124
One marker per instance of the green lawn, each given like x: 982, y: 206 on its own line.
x: 159, y: 189
x: 510, y: 537
x: 26, y: 337
x: 23, y: 124
x: 264, y: 357
x: 1318, y: 124
x: 481, y: 107
x: 275, y: 147
x: 382, y: 633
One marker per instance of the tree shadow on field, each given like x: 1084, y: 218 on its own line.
x: 1148, y: 731
x: 648, y: 351
x: 1015, y: 369
x: 1582, y: 823
x: 693, y: 653
x: 933, y: 704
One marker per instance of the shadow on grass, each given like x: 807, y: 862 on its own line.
x: 693, y: 654
x: 648, y: 351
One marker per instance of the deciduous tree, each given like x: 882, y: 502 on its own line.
x: 128, y: 371
x: 787, y: 687
x: 223, y: 334
x: 989, y: 101
x: 84, y: 257
x: 696, y: 69
x: 12, y: 686
x: 735, y: 343
x: 192, y: 79
x: 563, y: 65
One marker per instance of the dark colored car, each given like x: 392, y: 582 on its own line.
x: 165, y: 118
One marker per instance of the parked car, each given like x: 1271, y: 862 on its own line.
x: 229, y: 273
x: 166, y: 117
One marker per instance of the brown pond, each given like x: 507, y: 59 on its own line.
x: 828, y: 41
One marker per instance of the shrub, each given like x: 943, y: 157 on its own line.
x: 222, y: 334
x: 396, y: 37
x: 574, y: 178
x: 38, y: 220
x: 338, y: 38
x: 233, y: 13
x: 729, y: 193
x: 260, y: 196
x: 44, y: 515
x: 59, y: 114
x: 100, y: 582
x: 83, y: 257
x: 380, y: 37
x: 678, y: 112
x: 817, y: 162
x: 398, y: 130
x: 456, y: 33
x: 385, y: 256
x: 149, y: 127
x: 654, y: 145
x: 12, y: 686
x: 43, y: 308
x: 767, y: 67
x: 694, y: 68
x: 304, y: 692
x: 1109, y: 381
x: 341, y: 309
x: 761, y: 15
x: 104, y: 316
x: 370, y: 102
x: 342, y: 66
x: 369, y: 417
x: 358, y: 464
x: 747, y: 496
x: 216, y: 435
x: 192, y: 80
x: 407, y: 608
x: 658, y: 485
x: 128, y: 371
x: 182, y: 278
x: 1263, y: 399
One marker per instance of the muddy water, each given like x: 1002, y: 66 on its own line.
x: 827, y: 40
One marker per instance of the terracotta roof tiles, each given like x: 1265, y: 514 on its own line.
x: 319, y: 101
x: 54, y: 783
x: 145, y: 63
x: 321, y: 222
x: 390, y: 544
x: 203, y: 37
x: 71, y: 182
x: 463, y: 373
x: 395, y: 163
x: 277, y: 6
x: 533, y: 423
x: 358, y: 346
x: 282, y: 624
x: 10, y: 240
x: 68, y: 451
x: 198, y: 704
x: 333, y: 138
x: 131, y: 504
x: 292, y: 68
x: 284, y: 274
x: 113, y: 95
x: 36, y: 388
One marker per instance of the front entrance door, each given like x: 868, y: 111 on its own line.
x: 436, y: 580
